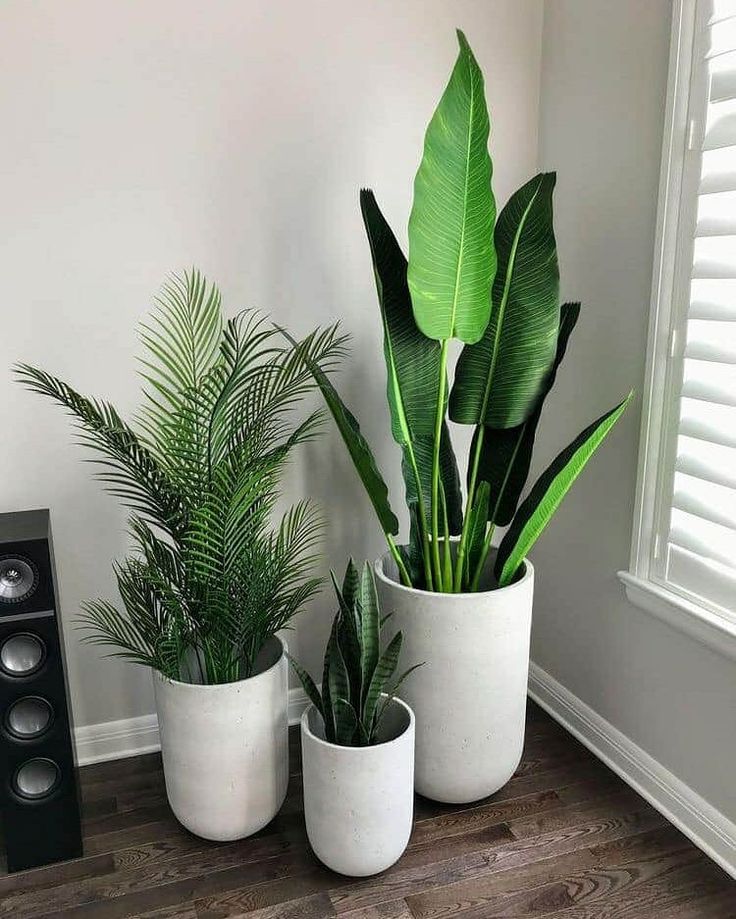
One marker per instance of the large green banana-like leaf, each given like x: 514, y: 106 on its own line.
x: 451, y: 255
x: 360, y: 453
x: 506, y: 453
x: 545, y: 497
x: 498, y: 380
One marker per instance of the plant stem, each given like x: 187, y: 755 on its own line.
x: 439, y: 419
x: 462, y: 548
x: 446, y: 553
x: 422, y: 514
x: 483, y: 557
x: 394, y: 549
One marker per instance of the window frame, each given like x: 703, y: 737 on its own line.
x: 685, y: 111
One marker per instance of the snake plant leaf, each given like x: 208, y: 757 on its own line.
x: 339, y: 684
x: 328, y: 714
x: 346, y: 721
x: 537, y: 509
x: 348, y: 638
x: 310, y: 688
x: 370, y: 634
x: 350, y: 584
x: 498, y: 380
x: 412, y: 370
x: 360, y: 453
x: 451, y: 254
x: 506, y: 453
x: 381, y: 675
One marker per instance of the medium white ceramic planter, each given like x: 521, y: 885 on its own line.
x: 469, y: 699
x: 359, y: 801
x: 225, y: 748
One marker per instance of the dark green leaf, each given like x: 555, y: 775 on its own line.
x: 498, y: 380
x: 536, y: 511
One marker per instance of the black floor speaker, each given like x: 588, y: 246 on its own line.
x: 39, y: 797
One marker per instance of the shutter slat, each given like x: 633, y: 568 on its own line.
x: 721, y: 128
x: 707, y: 462
x: 713, y: 300
x: 718, y: 172
x: 713, y: 423
x: 710, y: 351
x: 705, y: 500
x: 703, y: 577
x: 709, y: 540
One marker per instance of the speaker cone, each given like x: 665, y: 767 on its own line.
x: 36, y: 779
x: 28, y: 717
x: 18, y: 578
x: 21, y: 654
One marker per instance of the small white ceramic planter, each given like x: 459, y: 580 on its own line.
x: 469, y: 699
x: 225, y: 748
x: 359, y: 801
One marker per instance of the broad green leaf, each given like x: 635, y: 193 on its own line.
x: 545, y: 497
x: 412, y: 552
x: 309, y: 685
x: 382, y: 674
x: 506, y: 453
x: 360, y: 452
x: 370, y: 635
x: 412, y: 370
x: 498, y: 380
x: 451, y: 256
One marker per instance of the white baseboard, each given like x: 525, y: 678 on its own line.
x: 707, y: 827
x: 96, y: 743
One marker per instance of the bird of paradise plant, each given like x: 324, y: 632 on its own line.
x: 491, y: 282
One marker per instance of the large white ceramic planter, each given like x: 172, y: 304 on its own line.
x: 225, y: 748
x: 469, y: 699
x: 359, y: 801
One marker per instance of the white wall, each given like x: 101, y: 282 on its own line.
x: 143, y: 137
x: 602, y: 105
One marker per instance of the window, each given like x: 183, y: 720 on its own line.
x: 684, y: 547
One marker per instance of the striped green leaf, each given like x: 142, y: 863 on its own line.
x: 385, y: 669
x: 451, y: 255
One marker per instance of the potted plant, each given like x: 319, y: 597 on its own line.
x: 491, y: 283
x: 357, y: 740
x: 209, y: 582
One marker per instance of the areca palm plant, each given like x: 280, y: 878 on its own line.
x: 209, y: 579
x: 492, y: 283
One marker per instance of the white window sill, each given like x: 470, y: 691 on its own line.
x: 712, y: 630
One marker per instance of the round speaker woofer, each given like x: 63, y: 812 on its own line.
x: 36, y: 779
x: 18, y: 578
x: 22, y: 654
x: 29, y: 717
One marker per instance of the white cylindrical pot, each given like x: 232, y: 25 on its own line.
x: 359, y: 801
x: 225, y: 748
x: 469, y: 698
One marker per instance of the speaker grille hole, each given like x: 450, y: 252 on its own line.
x: 21, y: 654
x: 28, y: 717
x: 36, y: 779
x: 18, y: 578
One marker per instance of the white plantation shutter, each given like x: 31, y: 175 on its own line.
x: 694, y: 522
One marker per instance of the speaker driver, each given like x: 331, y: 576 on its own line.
x: 21, y: 654
x: 28, y: 717
x: 18, y: 578
x: 36, y: 779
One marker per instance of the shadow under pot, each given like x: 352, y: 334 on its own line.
x: 225, y: 748
x: 359, y: 801
x: 469, y: 698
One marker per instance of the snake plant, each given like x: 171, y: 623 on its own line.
x: 357, y: 682
x: 492, y: 283
x: 210, y: 578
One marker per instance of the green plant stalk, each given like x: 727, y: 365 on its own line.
x: 439, y: 418
x: 394, y: 549
x: 422, y: 513
x: 462, y: 548
x: 482, y: 559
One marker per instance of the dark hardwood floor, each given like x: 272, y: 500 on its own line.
x: 565, y: 839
